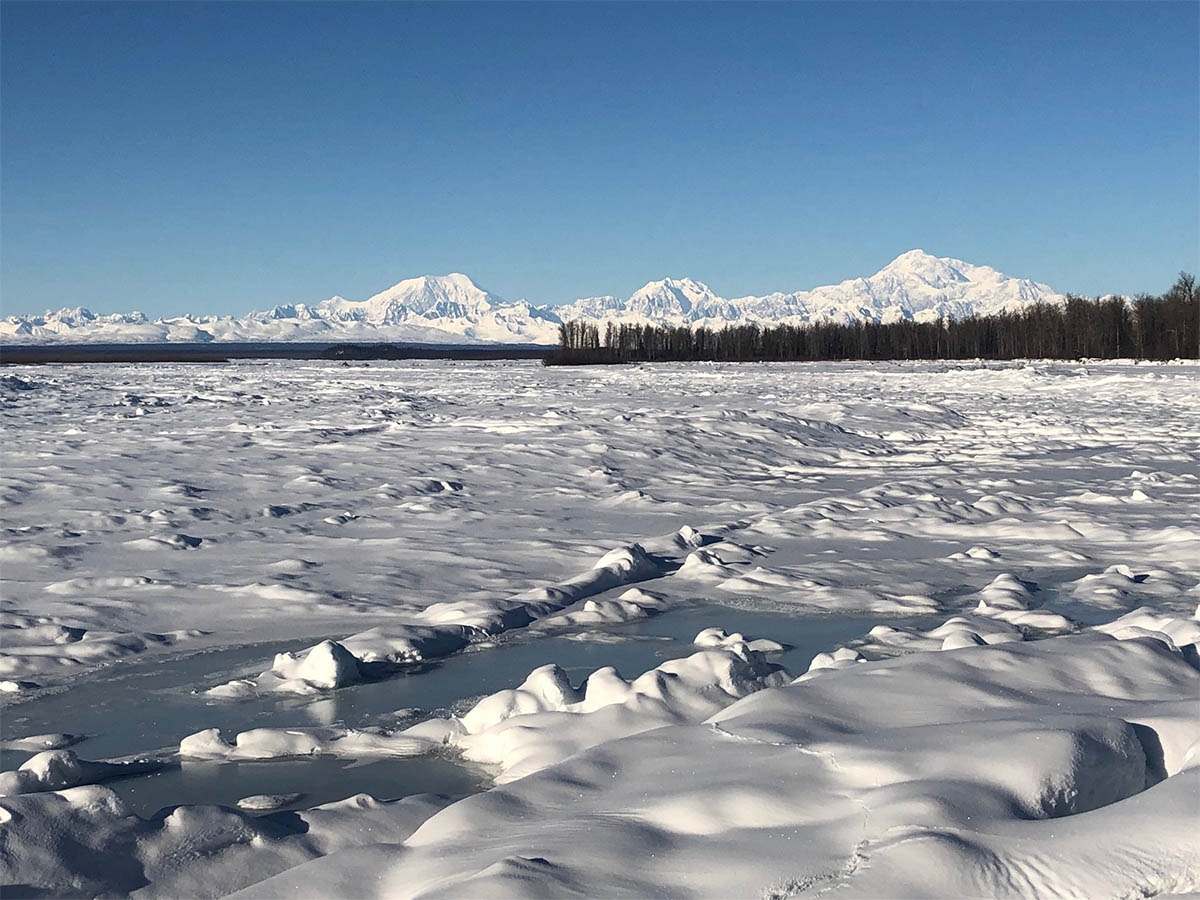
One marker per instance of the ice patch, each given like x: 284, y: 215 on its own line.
x: 267, y: 802
x: 40, y: 742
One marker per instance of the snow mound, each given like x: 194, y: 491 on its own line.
x: 717, y: 637
x: 447, y: 627
x: 541, y: 721
x: 933, y: 774
x: 327, y: 665
x: 631, y: 606
x: 1008, y: 599
x: 1181, y: 633
x: 53, y: 770
x: 546, y: 719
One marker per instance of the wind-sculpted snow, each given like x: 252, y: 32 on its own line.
x: 1017, y: 719
x: 53, y: 770
x: 543, y: 720
x: 444, y: 628
x: 1015, y: 771
x: 453, y: 309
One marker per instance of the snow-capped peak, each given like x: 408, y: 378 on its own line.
x: 672, y: 297
x: 432, y: 308
x: 453, y: 296
x: 934, y: 271
x: 70, y: 315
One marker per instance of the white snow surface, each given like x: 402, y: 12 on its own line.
x: 1037, y: 735
x: 453, y: 309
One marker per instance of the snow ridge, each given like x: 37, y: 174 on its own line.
x: 915, y: 286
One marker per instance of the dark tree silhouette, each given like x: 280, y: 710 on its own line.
x: 1164, y: 327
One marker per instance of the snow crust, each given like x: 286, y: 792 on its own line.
x: 1034, y: 733
x: 453, y: 309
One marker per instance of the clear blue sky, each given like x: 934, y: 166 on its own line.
x: 176, y: 157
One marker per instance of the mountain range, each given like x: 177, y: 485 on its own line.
x: 453, y: 309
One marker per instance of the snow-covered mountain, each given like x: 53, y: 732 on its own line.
x: 453, y: 309
x: 429, y: 297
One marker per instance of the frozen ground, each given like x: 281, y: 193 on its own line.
x: 1017, y: 714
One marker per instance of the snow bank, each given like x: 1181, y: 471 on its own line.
x: 545, y: 720
x: 444, y: 628
x: 46, y: 645
x: 538, y: 723
x: 53, y: 770
x: 194, y: 851
x: 1177, y: 632
x: 1021, y: 769
x: 1008, y: 599
x: 631, y: 606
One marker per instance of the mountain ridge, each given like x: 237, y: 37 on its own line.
x: 453, y: 309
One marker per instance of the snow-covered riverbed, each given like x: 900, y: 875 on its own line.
x: 988, y: 573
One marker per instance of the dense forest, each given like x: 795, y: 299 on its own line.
x: 1148, y: 327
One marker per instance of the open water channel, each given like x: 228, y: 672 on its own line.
x: 145, y: 708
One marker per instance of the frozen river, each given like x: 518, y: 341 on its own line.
x: 989, y: 572
x: 144, y: 708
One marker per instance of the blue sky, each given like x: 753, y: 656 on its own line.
x: 175, y: 157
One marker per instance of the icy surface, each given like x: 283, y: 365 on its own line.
x: 1034, y: 732
x: 267, y: 802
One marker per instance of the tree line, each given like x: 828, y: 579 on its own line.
x: 1148, y: 327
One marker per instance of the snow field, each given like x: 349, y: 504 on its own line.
x: 1042, y: 741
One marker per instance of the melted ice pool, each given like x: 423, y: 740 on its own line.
x: 315, y: 780
x: 148, y: 707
